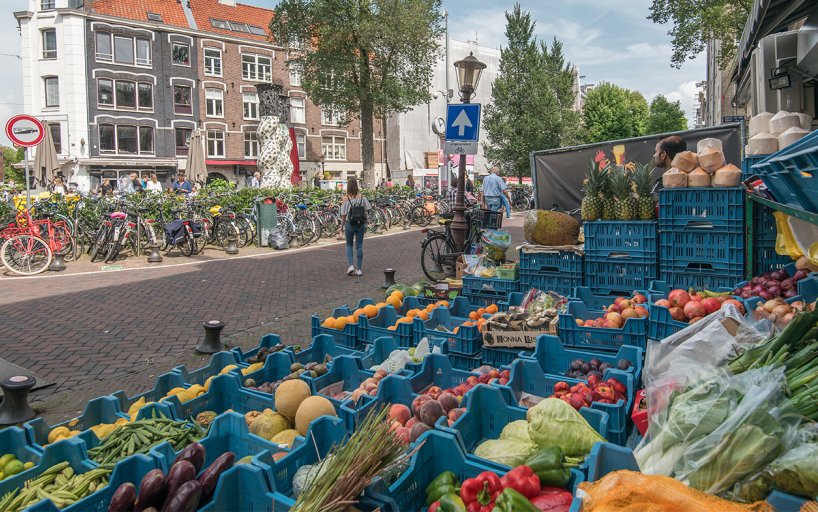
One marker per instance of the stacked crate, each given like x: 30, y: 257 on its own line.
x: 550, y: 270
x: 701, y: 237
x: 620, y: 256
x: 765, y: 259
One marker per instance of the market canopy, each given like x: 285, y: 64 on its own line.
x: 45, y: 159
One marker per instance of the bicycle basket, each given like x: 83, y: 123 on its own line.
x: 487, y: 219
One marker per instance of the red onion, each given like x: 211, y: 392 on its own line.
x: 737, y: 291
x: 787, y: 283
x: 792, y: 292
x: 779, y: 275
x: 772, y: 282
x: 764, y: 294
x: 757, y: 289
x: 754, y: 280
x: 746, y: 294
x: 801, y: 274
x: 775, y: 291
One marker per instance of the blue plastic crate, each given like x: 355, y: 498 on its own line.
x: 699, y: 279
x: 379, y: 351
x: 218, y: 362
x: 566, y: 263
x: 466, y: 363
x: 747, y: 165
x: 348, y: 337
x: 634, y: 332
x: 783, y: 502
x: 661, y: 324
x: 563, y: 285
x: 345, y: 375
x: 393, y: 389
x: 792, y: 174
x: 443, y: 372
x: 369, y: 329
x: 600, y: 302
x: 322, y: 346
x: 765, y: 232
x: 719, y: 251
x: 618, y: 275
x: 482, y: 286
x: 104, y: 409
x: 716, y: 206
x: 225, y: 393
x: 555, y: 359
x: 276, y: 367
x: 498, y: 357
x: 244, y: 487
x: 14, y: 440
x: 605, y: 239
x: 482, y: 301
x: 164, y: 383
x: 466, y: 341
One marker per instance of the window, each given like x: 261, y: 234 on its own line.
x: 105, y: 92
x: 48, y: 5
x: 250, y: 105
x: 256, y: 67
x: 107, y: 139
x: 145, y: 139
x: 126, y: 139
x: 104, y: 51
x: 213, y: 62
x: 330, y: 118
x: 180, y: 54
x: 215, y: 143
x: 182, y: 141
x: 143, y: 52
x: 334, y: 148
x: 145, y: 96
x: 250, y: 145
x: 220, y: 24
x: 123, y: 50
x: 257, y: 30
x: 181, y: 100
x: 56, y: 136
x: 125, y: 94
x: 214, y: 101
x: 238, y: 27
x: 50, y: 44
x: 301, y: 144
x: 52, y: 91
x: 297, y: 110
x: 152, y: 16
x: 295, y: 75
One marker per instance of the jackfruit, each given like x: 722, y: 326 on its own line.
x: 550, y: 228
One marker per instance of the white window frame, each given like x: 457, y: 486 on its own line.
x: 330, y: 118
x: 173, y: 46
x: 253, y: 70
x: 58, y: 138
x: 211, y: 62
x: 294, y: 118
x: 335, y: 149
x: 249, y: 102
x: 144, y: 62
x: 186, y: 151
x: 301, y: 145
x: 216, y: 136
x: 138, y: 129
x: 295, y: 76
x: 132, y: 40
x: 99, y: 136
x: 188, y: 106
x: 111, y: 57
x: 49, y: 54
x: 214, y: 102
x: 250, y: 138
x: 46, y: 80
x: 152, y: 150
x: 103, y: 57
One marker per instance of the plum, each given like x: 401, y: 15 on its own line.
x: 430, y: 411
x: 595, y: 363
x: 418, y: 402
x: 417, y: 430
x: 448, y: 401
x: 623, y: 364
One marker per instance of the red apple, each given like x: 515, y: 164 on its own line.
x: 616, y: 318
x: 693, y: 309
x: 711, y: 305
x: 609, y: 324
x: 434, y: 392
x: 678, y: 298
x: 471, y: 381
x: 399, y: 413
x: 456, y: 413
x: 625, y: 304
x: 411, y: 422
x: 663, y: 303
x: 678, y: 314
x: 696, y: 297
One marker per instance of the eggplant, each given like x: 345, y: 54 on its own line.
x: 210, y: 477
x: 186, y: 498
x: 152, y: 490
x: 123, y: 498
x: 181, y: 472
x: 193, y: 453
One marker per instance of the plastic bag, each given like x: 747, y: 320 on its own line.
x: 720, y: 430
x: 279, y: 239
x: 495, y: 244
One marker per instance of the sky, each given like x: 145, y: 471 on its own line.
x: 609, y: 40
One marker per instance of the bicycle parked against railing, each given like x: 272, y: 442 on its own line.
x: 29, y: 244
x: 438, y: 257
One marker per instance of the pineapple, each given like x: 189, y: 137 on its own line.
x: 643, y: 179
x: 591, y: 208
x: 608, y: 202
x: 625, y: 207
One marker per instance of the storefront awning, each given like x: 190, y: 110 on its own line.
x: 230, y: 162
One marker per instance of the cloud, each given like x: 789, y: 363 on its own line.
x: 11, y: 79
x: 686, y: 94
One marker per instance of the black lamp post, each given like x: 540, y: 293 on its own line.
x: 468, y: 75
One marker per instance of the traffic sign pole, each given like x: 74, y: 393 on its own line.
x: 28, y: 181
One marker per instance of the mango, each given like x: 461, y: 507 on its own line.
x: 57, y: 432
x: 6, y: 458
x: 28, y: 465
x: 12, y: 467
x: 227, y: 369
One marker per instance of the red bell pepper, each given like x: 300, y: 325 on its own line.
x: 434, y: 506
x: 523, y: 480
x: 553, y: 499
x: 479, y: 493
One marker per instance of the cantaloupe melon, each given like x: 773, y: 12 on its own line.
x: 285, y: 437
x: 310, y: 409
x: 289, y: 396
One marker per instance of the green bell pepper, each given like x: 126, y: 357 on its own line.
x: 442, y: 485
x: 512, y: 501
x: 452, y: 503
x: 549, y: 464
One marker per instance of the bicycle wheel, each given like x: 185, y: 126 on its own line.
x: 421, y: 216
x: 245, y: 231
x: 98, y: 244
x: 188, y: 246
x: 222, y: 233
x: 305, y: 230
x: 200, y: 242
x: 375, y: 221
x: 26, y: 255
x: 430, y: 261
x: 330, y: 225
x: 63, y: 242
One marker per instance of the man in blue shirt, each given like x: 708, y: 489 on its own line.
x: 494, y: 191
x: 182, y: 186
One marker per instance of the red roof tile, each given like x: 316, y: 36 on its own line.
x: 205, y: 10
x: 171, y: 10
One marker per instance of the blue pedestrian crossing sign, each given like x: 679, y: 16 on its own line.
x: 463, y: 122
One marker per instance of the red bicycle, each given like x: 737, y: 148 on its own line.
x: 29, y: 245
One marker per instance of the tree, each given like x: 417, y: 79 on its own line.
x: 612, y: 113
x: 695, y: 22
x: 12, y: 156
x: 665, y: 116
x: 361, y: 59
x: 531, y: 99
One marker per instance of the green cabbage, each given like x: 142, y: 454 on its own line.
x: 509, y: 452
x: 554, y: 422
x: 516, y: 430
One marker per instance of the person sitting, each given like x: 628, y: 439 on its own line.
x: 182, y: 186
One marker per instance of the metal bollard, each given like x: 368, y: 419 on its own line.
x: 389, y: 278
x: 58, y: 263
x: 212, y: 342
x: 155, y: 256
x: 15, y: 408
x: 232, y: 247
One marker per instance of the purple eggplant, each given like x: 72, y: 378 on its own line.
x: 123, y: 498
x: 152, y: 490
x: 210, y: 477
x: 193, y: 453
x: 181, y: 472
x: 186, y: 498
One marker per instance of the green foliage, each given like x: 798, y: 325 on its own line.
x: 612, y: 113
x: 665, y: 116
x: 695, y: 22
x: 532, y: 98
x: 12, y: 156
x: 362, y: 59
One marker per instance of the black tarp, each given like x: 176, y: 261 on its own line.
x: 558, y: 173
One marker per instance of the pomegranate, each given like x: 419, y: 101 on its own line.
x: 629, y: 313
x: 678, y: 298
x: 678, y: 314
x: 711, y: 305
x: 616, y: 319
x: 638, y: 298
x: 693, y: 309
x: 663, y: 303
x: 642, y: 312
x: 613, y: 308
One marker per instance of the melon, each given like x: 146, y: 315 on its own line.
x: 289, y: 396
x: 285, y: 437
x: 310, y: 409
x: 269, y: 425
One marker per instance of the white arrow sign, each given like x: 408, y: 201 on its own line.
x: 462, y: 122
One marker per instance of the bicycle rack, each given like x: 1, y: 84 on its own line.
x: 15, y: 408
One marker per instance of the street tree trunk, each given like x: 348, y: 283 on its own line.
x: 367, y: 123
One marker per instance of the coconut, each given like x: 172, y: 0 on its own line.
x: 762, y: 144
x: 727, y: 176
x: 709, y: 143
x: 805, y: 120
x: 711, y: 160
x: 698, y: 178
x: 674, y: 178
x: 760, y: 123
x: 783, y: 121
x: 791, y: 136
x: 685, y: 161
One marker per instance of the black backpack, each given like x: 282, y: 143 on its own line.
x: 357, y: 213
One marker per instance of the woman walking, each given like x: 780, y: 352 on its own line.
x: 353, y: 219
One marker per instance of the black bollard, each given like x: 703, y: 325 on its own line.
x: 232, y: 247
x: 389, y: 278
x: 15, y: 408
x: 155, y: 256
x: 58, y: 263
x: 212, y: 342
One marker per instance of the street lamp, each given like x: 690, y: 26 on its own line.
x: 468, y: 76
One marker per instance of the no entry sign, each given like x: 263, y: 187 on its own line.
x: 25, y: 130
